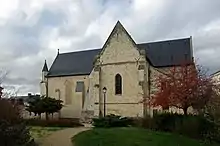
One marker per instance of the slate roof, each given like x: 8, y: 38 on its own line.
x: 73, y: 63
x: 168, y: 53
x: 215, y: 73
x: 45, y: 68
x: 160, y: 54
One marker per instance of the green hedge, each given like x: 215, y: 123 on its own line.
x: 188, y: 125
x: 53, y: 122
x: 112, y: 121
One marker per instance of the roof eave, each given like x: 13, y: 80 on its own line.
x: 65, y: 75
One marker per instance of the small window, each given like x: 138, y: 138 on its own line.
x: 118, y: 84
x: 79, y: 86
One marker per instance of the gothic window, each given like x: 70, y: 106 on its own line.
x: 118, y: 84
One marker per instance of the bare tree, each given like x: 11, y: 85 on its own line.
x: 8, y: 91
x: 3, y: 75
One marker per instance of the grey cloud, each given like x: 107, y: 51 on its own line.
x: 176, y: 19
x: 21, y: 43
x: 90, y: 42
x: 23, y: 39
x: 179, y: 18
x: 52, y: 18
x: 21, y: 81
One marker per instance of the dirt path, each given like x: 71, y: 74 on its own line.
x: 62, y: 137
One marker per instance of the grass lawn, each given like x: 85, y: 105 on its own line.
x: 38, y: 132
x: 131, y: 137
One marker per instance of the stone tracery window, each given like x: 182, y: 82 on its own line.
x: 118, y: 84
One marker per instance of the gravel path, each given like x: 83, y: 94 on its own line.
x: 62, y: 137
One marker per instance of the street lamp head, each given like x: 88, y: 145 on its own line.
x: 104, y: 90
x: 57, y: 90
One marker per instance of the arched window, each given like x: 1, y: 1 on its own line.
x: 118, y: 84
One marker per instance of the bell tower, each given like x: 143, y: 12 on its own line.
x: 43, y: 82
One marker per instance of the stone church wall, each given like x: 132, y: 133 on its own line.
x: 121, y: 56
x: 65, y: 89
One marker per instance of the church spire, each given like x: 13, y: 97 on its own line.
x: 45, y: 68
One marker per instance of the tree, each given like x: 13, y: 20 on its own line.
x: 1, y: 88
x: 36, y: 106
x: 51, y: 105
x: 46, y: 105
x: 183, y: 87
x: 7, y: 91
x: 13, y: 131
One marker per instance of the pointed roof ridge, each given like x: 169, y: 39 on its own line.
x: 117, y: 25
x: 45, y: 68
x: 121, y: 25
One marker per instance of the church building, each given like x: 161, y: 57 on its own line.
x: 113, y: 79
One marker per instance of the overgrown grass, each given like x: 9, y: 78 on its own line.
x: 38, y: 132
x: 132, y: 137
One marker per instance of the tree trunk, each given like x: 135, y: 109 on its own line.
x: 47, y: 117
x: 59, y: 114
x: 185, y: 110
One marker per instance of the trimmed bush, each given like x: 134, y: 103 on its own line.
x: 13, y: 131
x: 46, y: 105
x: 112, y: 121
x: 53, y: 122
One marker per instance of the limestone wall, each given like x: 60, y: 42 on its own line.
x: 42, y: 89
x: 120, y: 56
x: 65, y: 88
x: 128, y: 103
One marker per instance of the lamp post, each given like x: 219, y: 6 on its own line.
x: 104, y: 93
x: 46, y: 84
x: 58, y: 90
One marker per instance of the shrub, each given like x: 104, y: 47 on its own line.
x: 188, y: 125
x: 112, y: 121
x: 53, y: 122
x: 13, y: 131
x: 46, y: 105
x: 8, y: 112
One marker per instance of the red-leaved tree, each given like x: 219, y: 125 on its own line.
x: 183, y: 87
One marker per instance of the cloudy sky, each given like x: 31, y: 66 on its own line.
x: 32, y: 30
